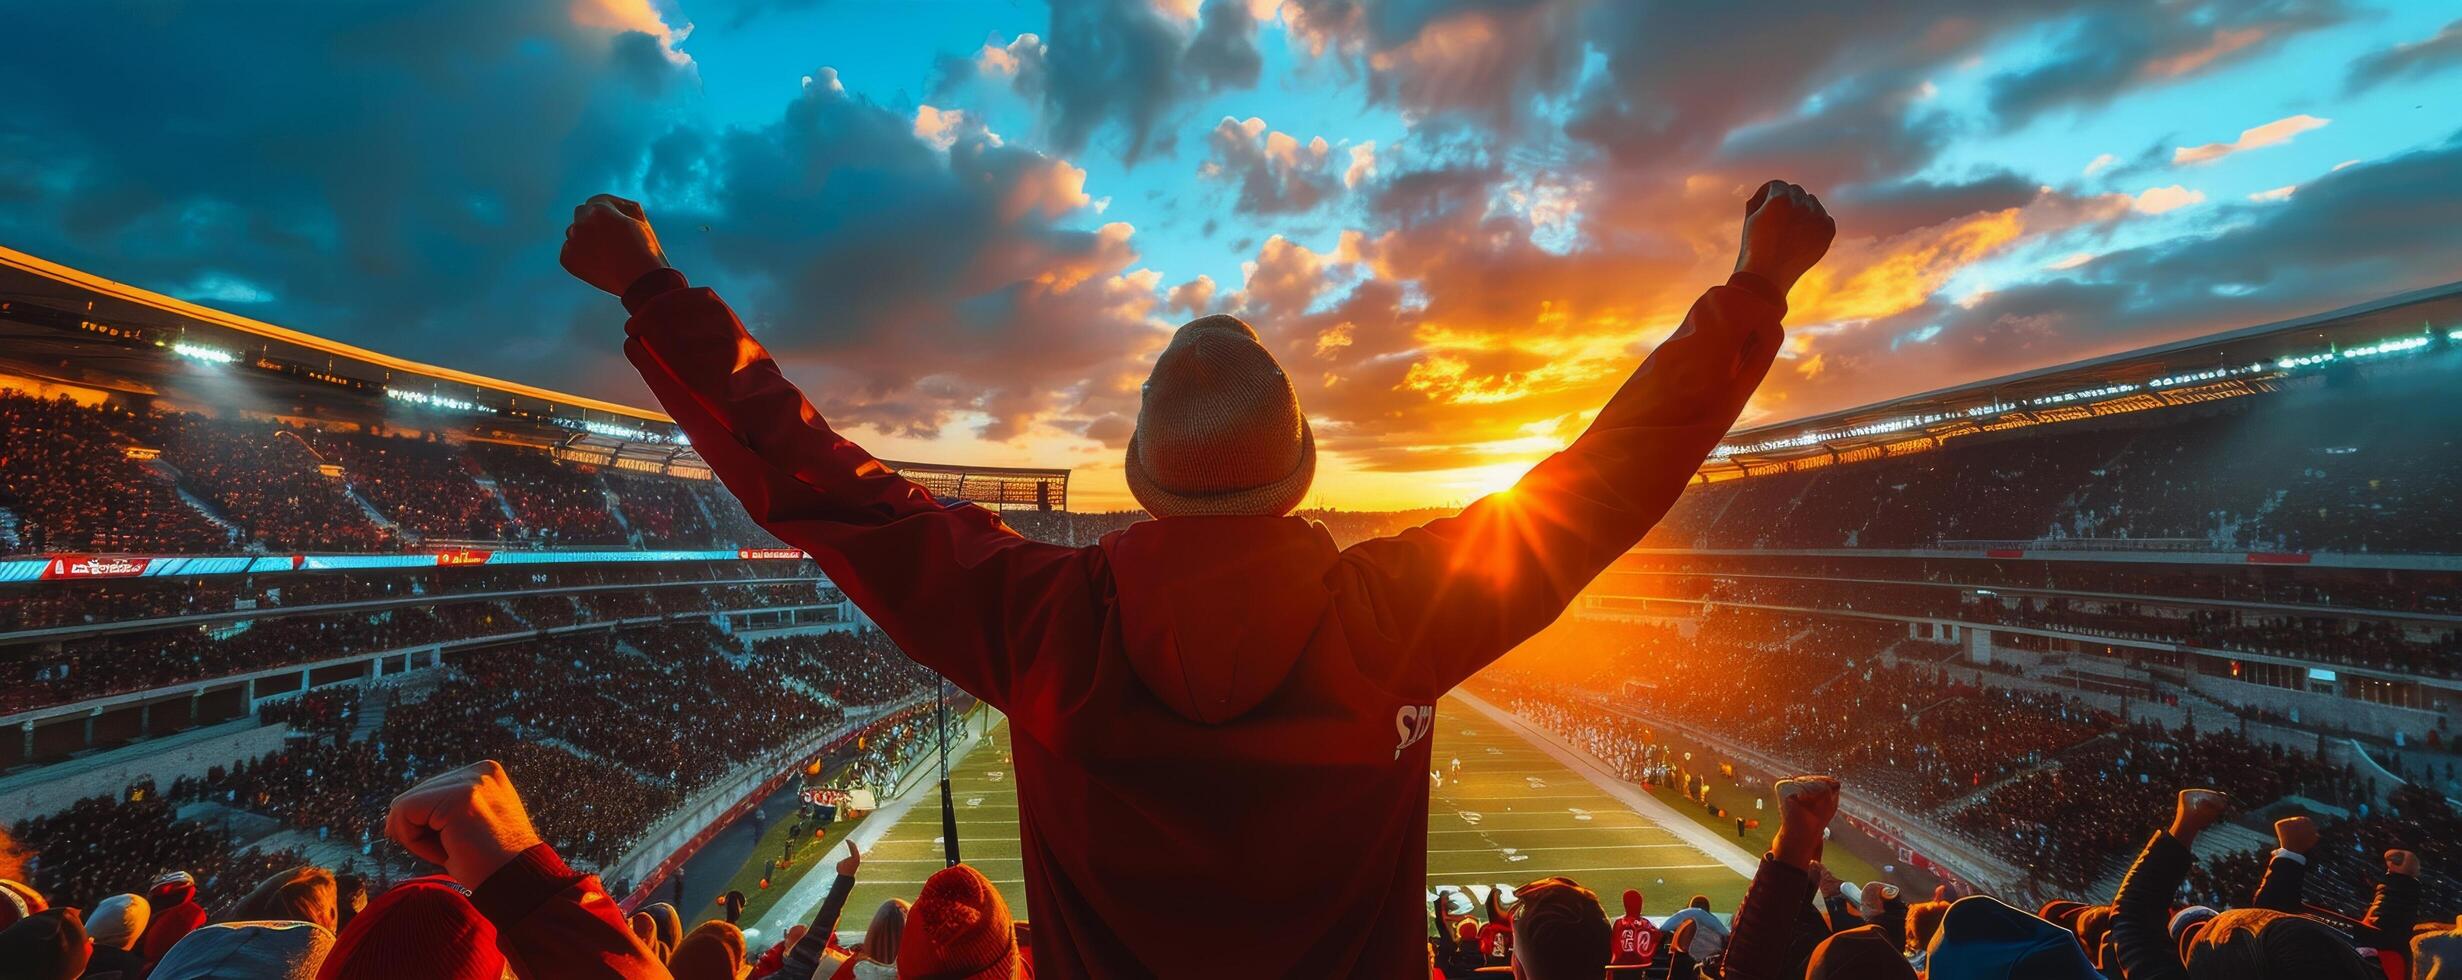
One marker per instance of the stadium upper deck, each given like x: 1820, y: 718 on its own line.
x: 157, y: 376
x: 2248, y: 361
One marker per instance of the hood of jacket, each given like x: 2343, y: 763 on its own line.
x: 247, y: 951
x: 1215, y: 611
x: 1981, y: 938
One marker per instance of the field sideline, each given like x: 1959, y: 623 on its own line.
x: 1513, y: 813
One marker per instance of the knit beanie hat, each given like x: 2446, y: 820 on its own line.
x: 1219, y: 431
x: 422, y: 928
x: 174, y: 887
x: 713, y: 950
x: 47, y: 945
x: 118, y: 921
x: 959, y: 929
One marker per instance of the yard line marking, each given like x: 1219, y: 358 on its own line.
x: 1526, y: 850
x: 1434, y: 875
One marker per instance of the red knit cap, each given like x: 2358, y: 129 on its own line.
x: 959, y: 929
x: 422, y: 928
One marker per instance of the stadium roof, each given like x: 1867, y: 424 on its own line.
x: 76, y: 328
x: 2237, y: 362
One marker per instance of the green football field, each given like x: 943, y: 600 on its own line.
x: 1513, y: 814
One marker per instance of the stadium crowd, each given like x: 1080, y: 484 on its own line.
x: 1796, y: 919
x: 93, y: 667
x: 2328, y: 468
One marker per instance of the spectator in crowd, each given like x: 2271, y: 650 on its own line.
x: 423, y: 921
x: 1455, y: 941
x: 959, y: 929
x: 713, y: 950
x: 1981, y: 937
x: 1636, y: 940
x: 234, y: 950
x: 1561, y: 931
x: 1709, y: 934
x: 298, y: 894
x: 1496, y: 934
x: 773, y: 959
x: 2257, y: 943
x: 46, y: 945
x: 176, y: 913
x: 1864, y: 952
x: 1221, y: 436
x: 115, y: 924
x: 877, y: 957
x: 817, y: 953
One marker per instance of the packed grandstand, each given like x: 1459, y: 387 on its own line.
x: 254, y: 583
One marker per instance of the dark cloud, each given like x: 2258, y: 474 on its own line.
x: 386, y: 176
x: 1224, y: 54
x: 1004, y: 310
x: 2411, y: 60
x: 1122, y: 63
x: 2115, y: 47
x: 1891, y: 207
x: 2356, y: 234
x: 1274, y: 171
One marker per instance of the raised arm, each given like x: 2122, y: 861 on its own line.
x: 805, y: 959
x: 2287, y: 871
x: 1767, y: 942
x: 933, y: 577
x: 1458, y: 592
x: 2141, y: 911
x: 551, y: 921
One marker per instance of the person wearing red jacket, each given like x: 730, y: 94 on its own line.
x: 1220, y: 696
x: 1636, y: 939
x: 550, y: 921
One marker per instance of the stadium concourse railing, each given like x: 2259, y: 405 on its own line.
x: 411, y: 658
x: 1591, y: 605
x: 1935, y: 851
x: 674, y: 840
x: 81, y: 631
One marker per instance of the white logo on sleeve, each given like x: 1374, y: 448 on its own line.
x: 1413, y: 723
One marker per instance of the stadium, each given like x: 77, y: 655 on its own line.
x: 257, y: 582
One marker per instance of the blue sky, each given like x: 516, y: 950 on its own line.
x: 968, y: 226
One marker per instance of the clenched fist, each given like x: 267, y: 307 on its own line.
x: 1805, y: 806
x: 469, y: 820
x: 2197, y: 810
x: 2402, y: 863
x: 1785, y: 231
x: 2295, y: 834
x: 610, y: 244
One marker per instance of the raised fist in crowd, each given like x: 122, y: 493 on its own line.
x: 610, y: 244
x: 469, y: 820
x: 1806, y: 805
x: 1785, y: 231
x: 2295, y: 834
x: 2402, y: 862
x: 2197, y: 810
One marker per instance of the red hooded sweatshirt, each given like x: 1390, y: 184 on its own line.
x: 1636, y: 940
x: 1200, y: 704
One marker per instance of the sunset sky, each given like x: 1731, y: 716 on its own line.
x: 968, y: 227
